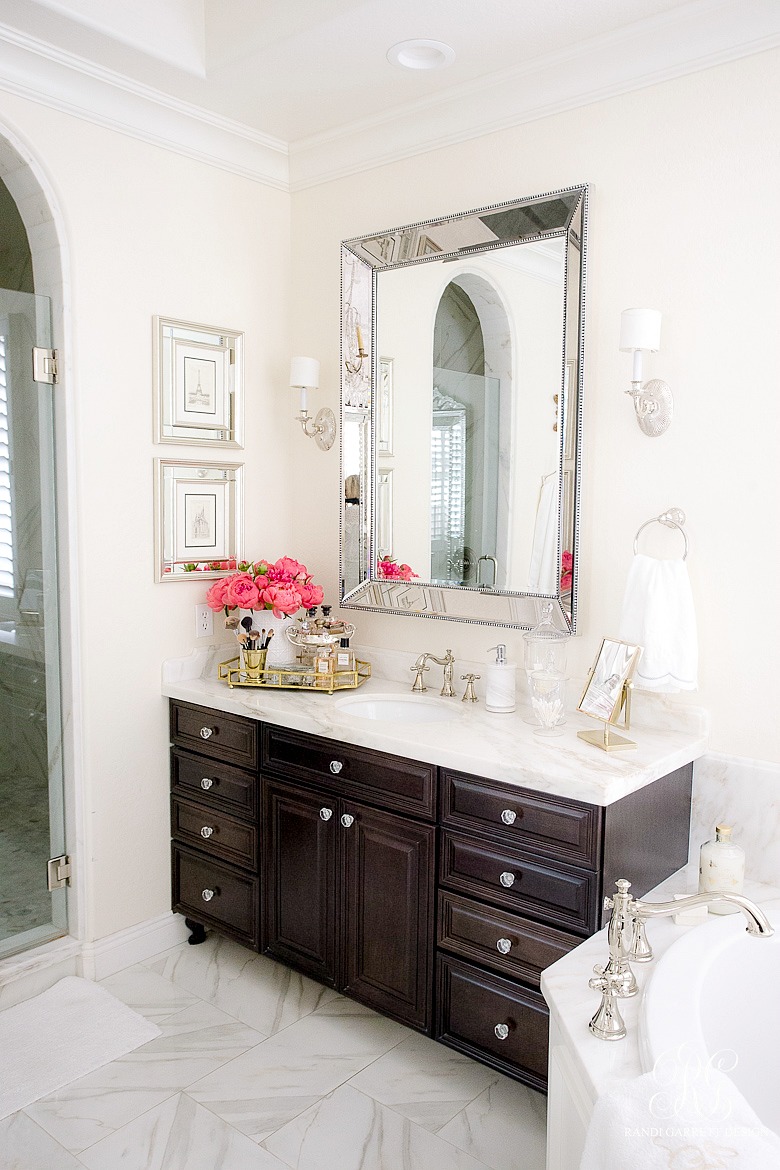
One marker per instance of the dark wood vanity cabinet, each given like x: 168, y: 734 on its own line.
x: 434, y: 896
x: 348, y: 886
x: 522, y: 877
x: 215, y: 823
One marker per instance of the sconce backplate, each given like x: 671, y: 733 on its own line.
x: 325, y: 422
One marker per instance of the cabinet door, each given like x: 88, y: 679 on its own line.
x: 299, y: 878
x: 387, y: 912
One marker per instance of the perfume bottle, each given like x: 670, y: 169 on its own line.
x: 324, y: 665
x: 345, y: 656
x: 721, y: 868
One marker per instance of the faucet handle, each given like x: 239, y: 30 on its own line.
x: 470, y: 695
x: 418, y: 686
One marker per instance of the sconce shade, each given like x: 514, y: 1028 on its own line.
x: 304, y: 372
x: 640, y: 329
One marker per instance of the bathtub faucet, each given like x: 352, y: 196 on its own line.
x: 628, y: 943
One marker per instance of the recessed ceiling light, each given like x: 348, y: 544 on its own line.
x: 421, y: 54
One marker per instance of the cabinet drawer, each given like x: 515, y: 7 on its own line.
x: 214, y: 832
x: 567, y: 830
x: 216, y: 895
x: 214, y: 785
x: 397, y: 784
x: 215, y: 734
x: 516, y: 881
x: 476, y: 1009
x: 513, y: 946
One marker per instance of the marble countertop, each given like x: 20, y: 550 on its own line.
x: 572, y: 1003
x: 498, y: 746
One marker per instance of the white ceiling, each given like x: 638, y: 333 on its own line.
x: 304, y: 73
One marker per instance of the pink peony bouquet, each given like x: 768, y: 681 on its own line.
x: 284, y: 586
x: 388, y: 570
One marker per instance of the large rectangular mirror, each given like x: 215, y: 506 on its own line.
x: 461, y: 369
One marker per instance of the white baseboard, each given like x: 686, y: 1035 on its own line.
x: 117, y: 951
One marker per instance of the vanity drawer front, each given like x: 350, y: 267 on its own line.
x: 228, y: 738
x: 214, y: 785
x: 394, y: 783
x: 567, y: 830
x: 494, y: 1020
x: 508, y: 944
x: 513, y: 880
x: 214, y: 833
x: 216, y: 895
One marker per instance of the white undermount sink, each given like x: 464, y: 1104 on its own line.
x: 397, y: 708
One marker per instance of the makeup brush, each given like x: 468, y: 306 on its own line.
x: 247, y: 623
x: 268, y: 639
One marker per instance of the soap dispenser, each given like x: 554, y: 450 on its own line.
x: 500, y: 685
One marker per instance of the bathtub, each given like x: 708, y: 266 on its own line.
x: 714, y: 998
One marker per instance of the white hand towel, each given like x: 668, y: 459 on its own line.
x: 543, y: 571
x: 658, y: 614
x: 687, y: 1124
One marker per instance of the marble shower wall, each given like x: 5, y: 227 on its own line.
x: 745, y: 794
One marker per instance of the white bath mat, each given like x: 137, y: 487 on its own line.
x: 66, y: 1032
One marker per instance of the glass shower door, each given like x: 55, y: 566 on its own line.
x: 31, y: 791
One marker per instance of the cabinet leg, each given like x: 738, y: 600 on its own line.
x: 198, y: 934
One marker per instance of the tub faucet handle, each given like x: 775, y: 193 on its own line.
x: 607, y: 1023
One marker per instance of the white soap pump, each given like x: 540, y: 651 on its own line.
x: 500, y: 682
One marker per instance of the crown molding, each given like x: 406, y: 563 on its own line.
x: 698, y: 36
x: 65, y: 82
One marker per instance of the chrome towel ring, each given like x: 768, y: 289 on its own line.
x: 671, y: 518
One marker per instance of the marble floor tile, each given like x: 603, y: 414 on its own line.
x: 424, y: 1081
x: 350, y: 1131
x: 255, y: 989
x: 196, y: 1041
x: 148, y: 993
x: 25, y: 1146
x: 274, y: 1082
x: 500, y: 1123
x: 178, y: 1135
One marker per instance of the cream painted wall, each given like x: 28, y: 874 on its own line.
x: 149, y: 231
x: 682, y: 217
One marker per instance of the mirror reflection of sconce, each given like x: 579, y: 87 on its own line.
x: 353, y: 337
x: 305, y: 376
x: 640, y: 332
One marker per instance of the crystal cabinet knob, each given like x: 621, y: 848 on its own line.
x: 207, y: 895
x: 206, y: 732
x: 503, y: 946
x: 507, y: 879
x: 326, y: 814
x: 206, y: 831
x: 347, y: 820
x: 508, y: 817
x: 206, y: 783
x: 501, y: 1031
x: 336, y: 766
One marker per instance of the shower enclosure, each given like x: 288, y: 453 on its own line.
x: 31, y: 789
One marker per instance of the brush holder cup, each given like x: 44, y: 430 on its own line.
x: 254, y: 663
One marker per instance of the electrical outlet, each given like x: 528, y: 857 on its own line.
x: 204, y: 621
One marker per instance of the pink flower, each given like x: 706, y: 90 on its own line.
x: 567, y: 576
x: 310, y: 595
x: 215, y: 598
x: 241, y: 591
x: 388, y: 569
x: 282, y: 599
x: 288, y: 569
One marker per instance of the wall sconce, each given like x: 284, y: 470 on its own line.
x: 305, y: 376
x: 640, y: 331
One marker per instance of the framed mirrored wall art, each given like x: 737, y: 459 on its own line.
x: 198, y: 383
x: 198, y: 518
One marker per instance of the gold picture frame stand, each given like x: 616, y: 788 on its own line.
x: 606, y: 740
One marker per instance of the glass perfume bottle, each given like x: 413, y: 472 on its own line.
x: 324, y: 665
x: 345, y: 656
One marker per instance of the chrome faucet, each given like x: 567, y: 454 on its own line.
x: 421, y: 665
x: 628, y: 943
